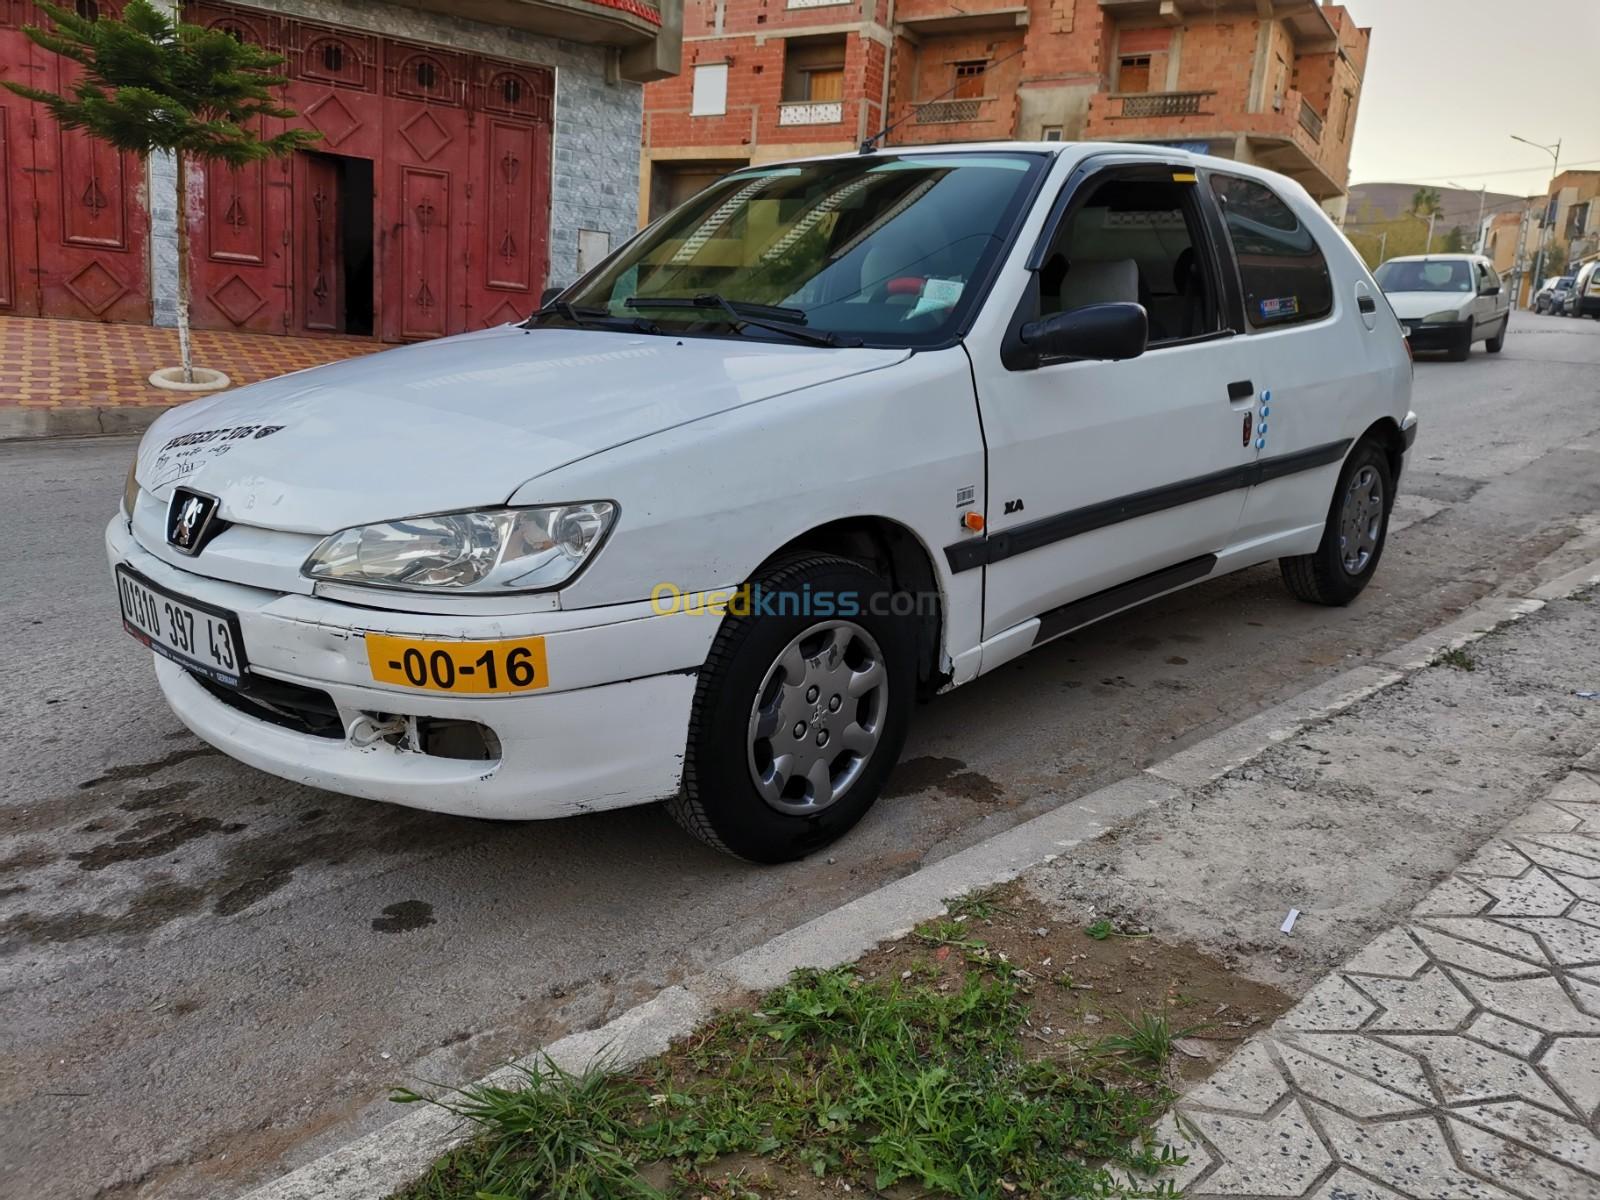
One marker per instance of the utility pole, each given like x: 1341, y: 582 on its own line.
x: 1544, y: 218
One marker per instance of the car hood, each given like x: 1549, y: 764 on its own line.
x: 1413, y: 306
x: 459, y: 423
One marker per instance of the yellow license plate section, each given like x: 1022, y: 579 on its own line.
x: 460, y: 668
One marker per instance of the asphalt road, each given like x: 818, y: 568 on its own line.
x: 207, y: 975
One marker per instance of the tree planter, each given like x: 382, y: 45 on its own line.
x: 205, y: 380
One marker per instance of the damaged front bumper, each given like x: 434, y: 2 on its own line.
x: 608, y: 731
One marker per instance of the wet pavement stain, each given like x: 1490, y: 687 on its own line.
x: 259, y: 887
x: 404, y: 917
x: 948, y: 775
x: 150, y: 910
x: 157, y: 796
x: 141, y: 770
x: 150, y: 838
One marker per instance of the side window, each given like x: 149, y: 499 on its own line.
x: 1136, y: 241
x: 1282, y: 273
x: 1491, y: 279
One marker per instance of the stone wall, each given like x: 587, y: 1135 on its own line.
x: 594, y: 182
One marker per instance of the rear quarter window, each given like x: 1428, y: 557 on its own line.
x: 1282, y: 271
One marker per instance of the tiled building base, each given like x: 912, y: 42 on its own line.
x: 1456, y: 1057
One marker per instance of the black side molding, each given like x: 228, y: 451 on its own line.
x: 978, y: 552
x: 1090, y: 609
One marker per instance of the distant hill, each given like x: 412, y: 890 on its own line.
x: 1389, y: 200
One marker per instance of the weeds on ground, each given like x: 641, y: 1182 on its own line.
x: 1458, y: 659
x: 1149, y: 1037
x: 882, y: 1081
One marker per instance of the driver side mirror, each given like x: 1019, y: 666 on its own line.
x: 1492, y: 289
x: 1107, y: 332
x: 549, y: 294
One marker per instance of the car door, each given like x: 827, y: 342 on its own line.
x: 1104, y: 474
x: 1486, y: 307
x: 1326, y: 357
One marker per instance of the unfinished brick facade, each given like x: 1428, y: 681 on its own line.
x: 1274, y: 82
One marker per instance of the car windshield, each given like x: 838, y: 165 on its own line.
x: 876, y: 249
x: 1452, y: 275
x: 1566, y: 281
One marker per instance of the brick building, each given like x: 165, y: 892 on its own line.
x: 472, y: 152
x: 1275, y: 82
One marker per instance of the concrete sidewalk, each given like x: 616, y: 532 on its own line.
x: 1456, y: 1055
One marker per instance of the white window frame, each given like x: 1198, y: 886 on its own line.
x: 710, y: 94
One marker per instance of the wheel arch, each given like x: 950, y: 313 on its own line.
x: 895, y: 551
x: 1385, y: 432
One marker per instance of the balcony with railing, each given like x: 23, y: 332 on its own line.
x: 1135, y: 115
x: 810, y: 112
x: 963, y: 119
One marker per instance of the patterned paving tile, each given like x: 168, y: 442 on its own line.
x: 66, y: 364
x: 1453, y: 1058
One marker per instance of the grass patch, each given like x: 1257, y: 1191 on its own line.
x: 883, y: 1082
x: 993, y: 1053
x: 1457, y: 659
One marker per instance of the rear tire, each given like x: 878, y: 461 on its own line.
x: 1354, y: 537
x: 798, y: 718
x: 1498, y: 342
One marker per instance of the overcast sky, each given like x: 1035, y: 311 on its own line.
x: 1449, y: 82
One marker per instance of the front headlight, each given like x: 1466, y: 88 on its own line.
x: 497, y: 550
x: 130, y: 488
x: 1448, y: 317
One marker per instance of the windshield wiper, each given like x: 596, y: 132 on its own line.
x: 741, y: 313
x: 594, y: 318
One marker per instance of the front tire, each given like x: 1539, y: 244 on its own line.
x: 798, y: 715
x: 1354, y: 537
x: 1462, y: 350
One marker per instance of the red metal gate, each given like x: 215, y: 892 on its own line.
x: 76, y: 228
x: 457, y: 151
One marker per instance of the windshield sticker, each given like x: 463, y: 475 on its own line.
x: 181, y: 456
x: 1283, y: 306
x: 937, y: 296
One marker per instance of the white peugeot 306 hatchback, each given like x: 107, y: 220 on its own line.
x: 834, y: 435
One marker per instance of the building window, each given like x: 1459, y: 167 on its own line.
x: 332, y: 57
x: 969, y: 80
x: 1051, y: 133
x: 710, y: 90
x: 825, y: 84
x: 87, y: 9
x: 1133, y: 74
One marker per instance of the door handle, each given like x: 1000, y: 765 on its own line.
x: 1366, y: 304
x: 1242, y: 389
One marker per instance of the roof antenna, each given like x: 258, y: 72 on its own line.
x: 871, y: 144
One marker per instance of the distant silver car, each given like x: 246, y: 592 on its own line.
x: 1552, y: 297
x: 1448, y: 302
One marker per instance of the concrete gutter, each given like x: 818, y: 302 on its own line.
x: 395, y: 1155
x: 24, y: 424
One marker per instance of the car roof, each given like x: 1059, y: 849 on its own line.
x: 1057, y: 149
x: 1438, y: 258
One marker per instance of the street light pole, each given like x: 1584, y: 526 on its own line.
x: 1555, y: 154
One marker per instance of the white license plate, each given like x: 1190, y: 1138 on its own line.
x: 191, y: 634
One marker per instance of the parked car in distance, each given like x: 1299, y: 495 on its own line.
x: 1584, y: 298
x: 835, y: 434
x: 1448, y: 302
x: 1552, y: 296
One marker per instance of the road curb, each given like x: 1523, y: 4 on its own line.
x: 380, y: 1162
x: 29, y: 424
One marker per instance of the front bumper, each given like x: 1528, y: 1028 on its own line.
x: 1438, y: 337
x: 608, y: 732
